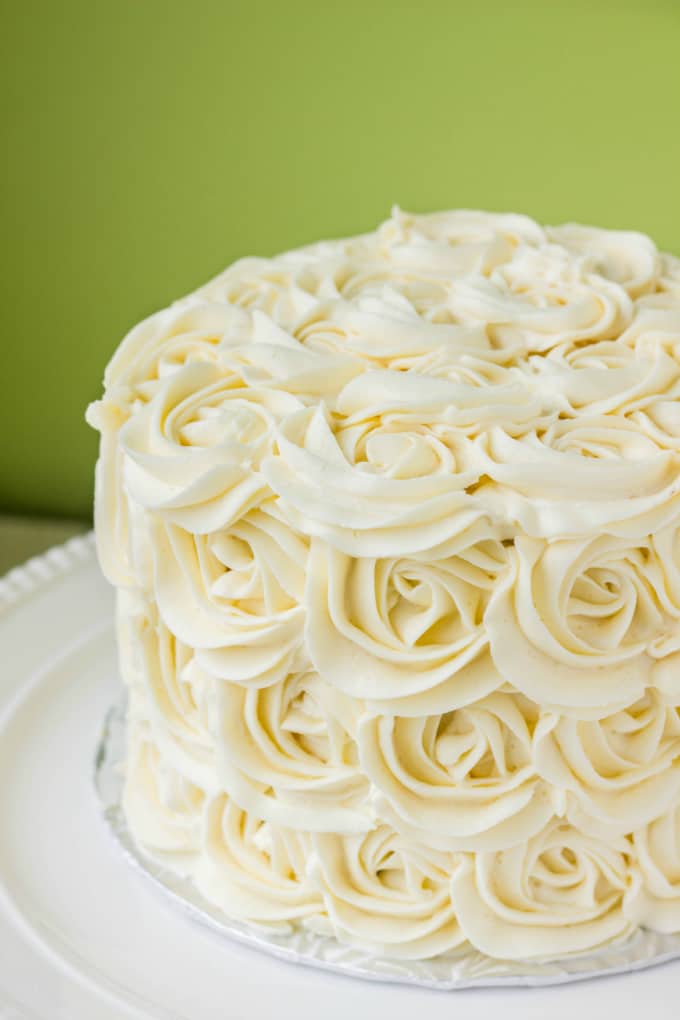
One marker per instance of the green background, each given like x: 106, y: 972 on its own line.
x: 149, y: 144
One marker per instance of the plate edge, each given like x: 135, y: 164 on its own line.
x: 23, y: 581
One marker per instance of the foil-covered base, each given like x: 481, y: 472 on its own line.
x: 447, y: 973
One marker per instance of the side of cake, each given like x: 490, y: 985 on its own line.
x: 394, y: 523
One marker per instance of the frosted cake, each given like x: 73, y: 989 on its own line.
x: 394, y: 524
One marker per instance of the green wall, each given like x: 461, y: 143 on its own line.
x: 149, y: 144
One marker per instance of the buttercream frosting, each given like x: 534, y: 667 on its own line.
x: 395, y: 527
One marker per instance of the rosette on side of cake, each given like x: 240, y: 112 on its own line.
x: 395, y: 527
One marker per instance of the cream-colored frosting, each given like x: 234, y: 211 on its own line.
x: 559, y: 892
x: 395, y: 527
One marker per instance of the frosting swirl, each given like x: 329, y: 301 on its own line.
x: 464, y: 779
x: 580, y: 476
x: 541, y: 298
x: 397, y: 491
x: 654, y: 896
x: 572, y: 623
x: 559, y: 893
x: 402, y: 628
x: 162, y: 806
x: 159, y: 346
x: 254, y: 871
x: 622, y: 256
x: 385, y: 895
x: 623, y: 769
x: 234, y: 596
x: 192, y: 454
x: 175, y: 694
x: 285, y: 755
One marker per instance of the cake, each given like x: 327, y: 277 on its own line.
x: 394, y: 523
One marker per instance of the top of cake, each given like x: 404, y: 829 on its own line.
x: 445, y: 368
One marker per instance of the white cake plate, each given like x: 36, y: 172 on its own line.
x: 84, y: 935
